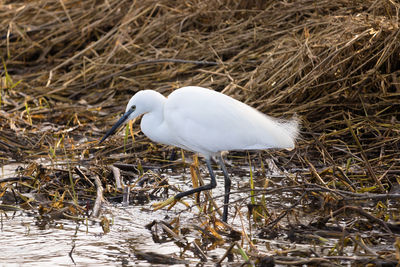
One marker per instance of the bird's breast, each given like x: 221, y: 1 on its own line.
x: 155, y: 128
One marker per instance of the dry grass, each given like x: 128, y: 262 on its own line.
x: 334, y: 63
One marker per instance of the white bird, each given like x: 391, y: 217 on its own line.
x: 207, y: 122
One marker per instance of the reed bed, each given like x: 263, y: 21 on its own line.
x: 69, y: 68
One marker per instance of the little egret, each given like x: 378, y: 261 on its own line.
x: 207, y: 122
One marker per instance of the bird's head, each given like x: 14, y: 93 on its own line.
x: 142, y: 102
x: 131, y: 113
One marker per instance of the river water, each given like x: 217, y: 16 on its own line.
x: 25, y: 240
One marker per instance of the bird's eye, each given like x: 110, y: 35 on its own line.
x: 133, y: 107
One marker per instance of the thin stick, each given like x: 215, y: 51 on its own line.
x: 117, y: 177
x: 367, y: 164
x: 99, y: 197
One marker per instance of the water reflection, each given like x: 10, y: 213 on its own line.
x: 66, y: 242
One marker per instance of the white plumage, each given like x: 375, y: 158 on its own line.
x: 204, y: 121
x: 208, y: 122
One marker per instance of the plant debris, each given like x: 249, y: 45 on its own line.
x: 69, y: 67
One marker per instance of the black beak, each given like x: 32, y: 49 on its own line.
x: 121, y: 121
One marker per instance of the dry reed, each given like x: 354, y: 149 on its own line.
x: 69, y: 68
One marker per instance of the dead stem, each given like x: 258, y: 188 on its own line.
x: 69, y: 67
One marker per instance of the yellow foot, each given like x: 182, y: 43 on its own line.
x: 170, y: 201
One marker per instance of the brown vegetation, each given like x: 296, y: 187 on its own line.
x: 69, y: 68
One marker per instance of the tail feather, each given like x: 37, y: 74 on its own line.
x: 292, y: 128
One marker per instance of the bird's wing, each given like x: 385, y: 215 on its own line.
x: 209, y: 122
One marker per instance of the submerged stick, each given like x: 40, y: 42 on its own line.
x: 99, y: 197
x: 117, y: 177
x: 15, y: 179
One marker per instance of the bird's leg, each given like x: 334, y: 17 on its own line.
x: 227, y: 186
x: 177, y: 197
x: 211, y: 185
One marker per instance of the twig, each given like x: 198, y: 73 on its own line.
x: 346, y: 195
x: 362, y: 244
x: 99, y: 197
x: 274, y: 222
x: 125, y: 196
x: 244, y: 231
x: 314, y: 172
x: 292, y: 261
x: 15, y: 179
x: 225, y: 254
x: 363, y: 155
x: 82, y: 175
x: 199, y: 252
x: 117, y: 177
x: 360, y: 211
x: 71, y: 251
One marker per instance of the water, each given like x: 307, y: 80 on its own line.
x: 24, y: 242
